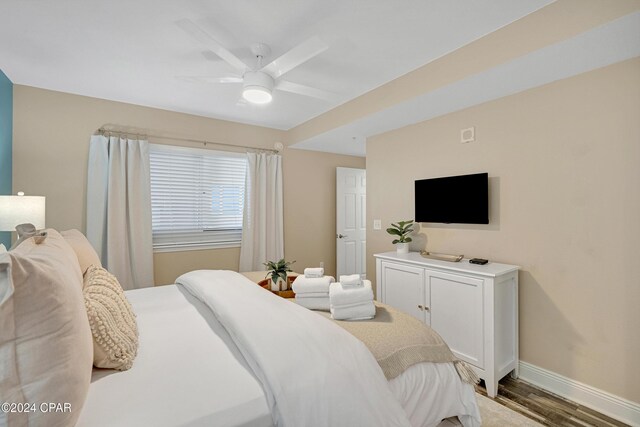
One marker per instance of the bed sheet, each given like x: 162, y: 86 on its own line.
x: 188, y: 372
x: 431, y: 392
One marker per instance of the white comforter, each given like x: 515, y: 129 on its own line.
x: 325, y: 378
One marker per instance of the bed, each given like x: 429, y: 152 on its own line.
x: 214, y: 349
x: 190, y: 372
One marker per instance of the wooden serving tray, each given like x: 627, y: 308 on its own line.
x: 285, y: 294
x: 441, y: 257
x: 266, y: 284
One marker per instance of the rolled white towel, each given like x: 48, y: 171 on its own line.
x: 313, y: 272
x: 304, y: 285
x: 351, y: 280
x: 361, y: 311
x: 345, y: 296
x: 313, y: 303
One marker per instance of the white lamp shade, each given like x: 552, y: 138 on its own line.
x: 16, y: 210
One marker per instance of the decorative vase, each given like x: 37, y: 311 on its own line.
x: 402, y: 248
x: 279, y: 285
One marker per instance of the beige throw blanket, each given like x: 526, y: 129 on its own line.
x: 399, y: 341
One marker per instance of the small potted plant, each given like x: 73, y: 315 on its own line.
x: 401, y: 229
x: 278, y: 273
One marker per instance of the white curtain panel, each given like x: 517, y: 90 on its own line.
x: 263, y: 221
x: 119, y: 208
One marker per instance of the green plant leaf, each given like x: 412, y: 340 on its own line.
x: 278, y: 269
x: 396, y: 241
x: 394, y: 231
x: 408, y: 239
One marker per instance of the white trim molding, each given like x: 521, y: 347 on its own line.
x: 606, y: 403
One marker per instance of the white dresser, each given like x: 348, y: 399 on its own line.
x: 473, y: 307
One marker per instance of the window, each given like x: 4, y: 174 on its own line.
x: 197, y: 197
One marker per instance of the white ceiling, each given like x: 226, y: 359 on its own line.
x: 132, y: 51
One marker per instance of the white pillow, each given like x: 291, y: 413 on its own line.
x: 46, y: 348
x: 3, y: 248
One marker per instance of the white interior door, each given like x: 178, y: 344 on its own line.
x: 351, y: 225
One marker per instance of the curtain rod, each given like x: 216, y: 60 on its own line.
x: 198, y: 141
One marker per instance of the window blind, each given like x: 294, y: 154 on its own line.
x: 197, y: 197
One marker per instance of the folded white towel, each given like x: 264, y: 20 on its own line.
x: 354, y: 295
x: 351, y: 280
x: 314, y: 295
x: 304, y: 284
x: 313, y: 272
x: 362, y: 311
x: 313, y: 303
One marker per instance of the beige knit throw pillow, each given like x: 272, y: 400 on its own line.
x: 112, y: 321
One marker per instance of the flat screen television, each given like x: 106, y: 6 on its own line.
x: 462, y: 199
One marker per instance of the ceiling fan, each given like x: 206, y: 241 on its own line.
x: 260, y: 81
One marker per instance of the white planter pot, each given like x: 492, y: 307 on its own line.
x: 402, y: 248
x: 280, y: 285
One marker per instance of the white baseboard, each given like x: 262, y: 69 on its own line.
x: 606, y: 403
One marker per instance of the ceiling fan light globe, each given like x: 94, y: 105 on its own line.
x: 257, y: 94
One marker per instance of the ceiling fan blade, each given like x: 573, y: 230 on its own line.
x: 306, y: 90
x: 209, y: 79
x: 296, y: 56
x: 212, y: 44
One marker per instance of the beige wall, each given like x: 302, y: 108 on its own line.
x: 310, y: 206
x: 564, y: 167
x: 50, y: 148
x: 167, y: 266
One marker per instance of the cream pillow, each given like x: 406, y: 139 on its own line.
x: 46, y: 349
x: 112, y: 321
x: 84, y: 251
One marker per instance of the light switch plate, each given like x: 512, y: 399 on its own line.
x: 377, y: 224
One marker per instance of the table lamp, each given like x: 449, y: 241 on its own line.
x: 21, y: 209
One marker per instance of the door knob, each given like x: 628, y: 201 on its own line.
x: 341, y: 236
x: 420, y: 307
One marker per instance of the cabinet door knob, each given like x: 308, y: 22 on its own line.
x: 426, y: 308
x: 420, y: 307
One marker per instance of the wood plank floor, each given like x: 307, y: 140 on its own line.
x: 546, y: 408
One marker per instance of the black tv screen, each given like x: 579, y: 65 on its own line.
x: 462, y: 199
